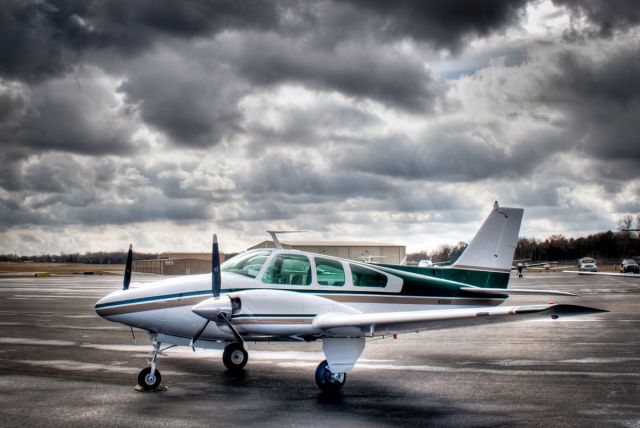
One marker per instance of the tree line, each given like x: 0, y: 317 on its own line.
x: 100, y: 257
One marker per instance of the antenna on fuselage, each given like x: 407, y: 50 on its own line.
x: 274, y: 236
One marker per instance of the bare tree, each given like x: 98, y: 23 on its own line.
x: 624, y: 224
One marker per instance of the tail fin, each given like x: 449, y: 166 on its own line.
x: 494, y: 245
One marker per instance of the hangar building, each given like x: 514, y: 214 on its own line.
x: 176, y: 264
x: 355, y: 250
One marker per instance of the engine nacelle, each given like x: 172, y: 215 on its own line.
x: 280, y: 312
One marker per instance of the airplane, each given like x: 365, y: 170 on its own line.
x: 369, y: 258
x: 429, y: 263
x: 525, y: 265
x: 281, y: 295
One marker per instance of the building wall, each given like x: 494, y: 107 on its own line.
x: 173, y: 266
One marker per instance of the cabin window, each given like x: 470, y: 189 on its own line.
x: 363, y: 277
x: 329, y: 272
x: 288, y: 269
x: 247, y: 264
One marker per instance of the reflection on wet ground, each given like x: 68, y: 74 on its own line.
x: 80, y: 369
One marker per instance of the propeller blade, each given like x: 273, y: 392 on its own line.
x: 127, y: 269
x: 197, y: 336
x: 215, y: 268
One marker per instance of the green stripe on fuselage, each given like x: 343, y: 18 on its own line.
x: 428, y: 283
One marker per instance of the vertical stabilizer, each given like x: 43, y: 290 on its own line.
x: 495, y: 243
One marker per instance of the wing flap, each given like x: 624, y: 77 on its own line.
x: 445, y: 318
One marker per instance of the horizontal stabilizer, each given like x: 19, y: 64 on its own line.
x: 385, y: 322
x: 515, y: 291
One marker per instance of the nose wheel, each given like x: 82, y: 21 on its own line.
x: 149, y: 378
x: 328, y: 381
x: 235, y: 357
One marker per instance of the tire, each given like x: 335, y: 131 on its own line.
x: 146, y: 382
x: 235, y: 357
x: 325, y: 380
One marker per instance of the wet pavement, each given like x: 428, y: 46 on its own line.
x: 61, y: 365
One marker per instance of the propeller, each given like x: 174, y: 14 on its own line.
x: 215, y: 268
x: 219, y: 309
x: 127, y: 269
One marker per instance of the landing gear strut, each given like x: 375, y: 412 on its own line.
x: 328, y: 381
x: 149, y: 378
x: 235, y: 357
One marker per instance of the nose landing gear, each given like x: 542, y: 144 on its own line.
x: 149, y: 378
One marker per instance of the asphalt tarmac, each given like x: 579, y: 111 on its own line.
x: 61, y: 365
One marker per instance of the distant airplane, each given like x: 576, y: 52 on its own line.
x: 429, y: 263
x: 368, y: 258
x: 268, y: 295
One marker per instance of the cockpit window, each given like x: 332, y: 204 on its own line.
x: 363, y: 277
x: 247, y: 264
x: 290, y: 269
x: 329, y: 272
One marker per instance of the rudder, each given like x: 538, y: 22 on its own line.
x: 494, y: 245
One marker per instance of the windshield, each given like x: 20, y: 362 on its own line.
x: 247, y: 264
x: 586, y: 260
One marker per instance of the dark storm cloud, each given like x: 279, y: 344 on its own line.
x: 442, y: 23
x: 601, y: 98
x: 358, y: 71
x: 40, y: 39
x: 608, y: 16
x: 81, y: 116
x: 459, y: 152
x: 192, y: 104
x: 60, y: 190
x: 298, y: 179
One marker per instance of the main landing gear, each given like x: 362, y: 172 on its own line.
x: 149, y: 378
x: 235, y: 356
x: 328, y: 381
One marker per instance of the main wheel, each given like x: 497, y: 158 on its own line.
x: 234, y: 356
x: 327, y: 381
x: 148, y: 381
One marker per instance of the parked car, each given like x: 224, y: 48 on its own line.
x: 587, y: 264
x: 629, y: 265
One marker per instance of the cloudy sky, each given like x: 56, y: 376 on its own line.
x: 160, y: 122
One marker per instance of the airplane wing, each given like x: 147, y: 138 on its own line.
x: 412, y: 321
x: 624, y: 275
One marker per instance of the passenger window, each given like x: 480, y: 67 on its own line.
x: 289, y: 269
x: 247, y: 264
x: 363, y: 277
x: 329, y: 272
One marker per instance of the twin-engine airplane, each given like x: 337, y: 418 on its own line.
x: 286, y: 295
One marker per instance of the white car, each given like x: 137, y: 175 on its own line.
x: 587, y: 264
